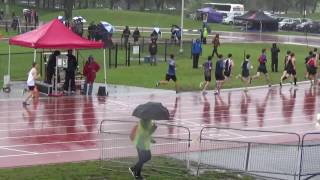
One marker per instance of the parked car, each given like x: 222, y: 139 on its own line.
x: 290, y: 26
x: 285, y: 21
x: 314, y: 27
x: 305, y: 26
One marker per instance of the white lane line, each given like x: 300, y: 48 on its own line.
x: 11, y: 149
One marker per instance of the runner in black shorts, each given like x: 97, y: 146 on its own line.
x: 285, y: 74
x: 171, y: 74
x: 291, y: 68
x: 207, y: 67
x: 219, y: 74
x: 228, y: 66
x: 262, y: 67
x: 245, y: 72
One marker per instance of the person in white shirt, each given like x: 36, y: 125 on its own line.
x: 31, y: 83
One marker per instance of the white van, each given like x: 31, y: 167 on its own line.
x: 227, y: 9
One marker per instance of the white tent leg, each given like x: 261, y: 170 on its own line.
x: 34, y: 55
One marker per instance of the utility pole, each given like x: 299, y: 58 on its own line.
x: 182, y: 16
x: 304, y: 8
x: 7, y: 13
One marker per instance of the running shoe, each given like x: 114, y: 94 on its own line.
x: 132, y: 171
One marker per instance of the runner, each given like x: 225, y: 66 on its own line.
x: 31, y: 83
x: 262, y: 68
x: 312, y: 69
x: 171, y: 74
x: 228, y: 66
x: 291, y: 68
x: 207, y: 67
x: 285, y: 74
x: 245, y: 73
x: 219, y: 74
x: 306, y: 74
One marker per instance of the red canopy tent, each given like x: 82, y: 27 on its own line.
x: 54, y: 35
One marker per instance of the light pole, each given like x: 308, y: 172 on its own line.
x: 6, y: 2
x: 304, y: 9
x: 182, y: 16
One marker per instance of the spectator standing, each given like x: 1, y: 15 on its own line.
x: 153, y: 49
x: 205, y: 35
x: 136, y: 35
x: 216, y: 44
x: 196, y: 51
x: 89, y: 71
x: 70, y: 72
x: 51, y: 65
x: 274, y: 57
x: 125, y: 35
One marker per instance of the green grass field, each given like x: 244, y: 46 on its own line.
x: 146, y: 76
x: 91, y: 170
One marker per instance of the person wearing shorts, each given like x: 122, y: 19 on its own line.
x: 207, y: 68
x: 228, y: 66
x: 312, y: 69
x: 291, y: 68
x: 31, y: 83
x: 285, y: 74
x: 171, y: 74
x: 262, y: 68
x: 245, y: 72
x: 219, y: 74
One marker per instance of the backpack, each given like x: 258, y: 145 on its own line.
x: 312, y: 62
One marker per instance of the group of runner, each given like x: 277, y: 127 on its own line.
x: 224, y: 66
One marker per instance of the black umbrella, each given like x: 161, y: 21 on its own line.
x: 151, y: 111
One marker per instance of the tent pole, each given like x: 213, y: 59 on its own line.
x: 9, y: 62
x: 34, y: 55
x: 104, y: 66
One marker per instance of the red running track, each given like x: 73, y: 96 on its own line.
x: 65, y: 129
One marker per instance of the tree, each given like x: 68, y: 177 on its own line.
x: 68, y: 5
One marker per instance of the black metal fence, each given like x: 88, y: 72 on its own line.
x: 172, y: 142
x: 138, y: 53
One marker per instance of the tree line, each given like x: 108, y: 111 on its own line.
x: 310, y: 6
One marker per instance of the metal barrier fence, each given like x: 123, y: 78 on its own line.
x: 310, y: 156
x: 172, y: 142
x: 250, y: 151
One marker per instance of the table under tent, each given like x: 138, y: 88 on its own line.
x: 54, y: 36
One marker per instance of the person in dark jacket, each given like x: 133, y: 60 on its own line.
x: 274, y: 57
x: 70, y: 72
x: 51, y: 66
x: 216, y: 44
x: 136, y: 35
x: 153, y: 49
x: 196, y: 51
x: 126, y: 34
x: 89, y: 71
